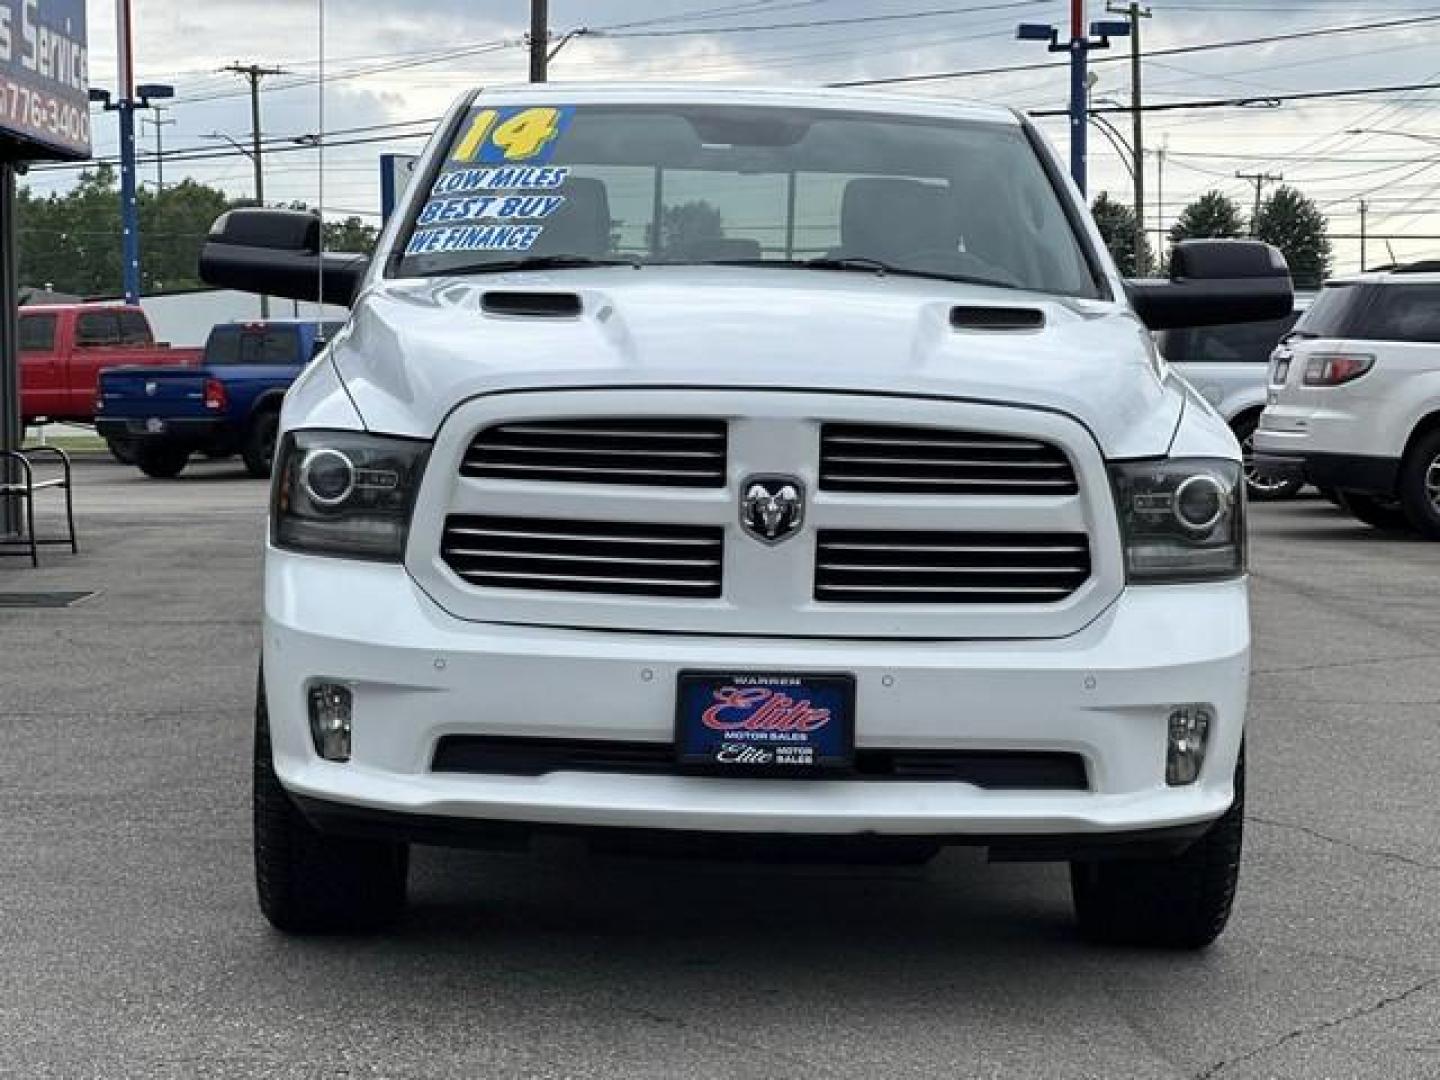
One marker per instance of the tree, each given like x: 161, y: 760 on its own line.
x: 1116, y: 223
x: 349, y: 235
x: 1295, y: 225
x: 173, y: 227
x: 72, y: 242
x: 352, y: 234
x: 684, y: 225
x: 1211, y: 215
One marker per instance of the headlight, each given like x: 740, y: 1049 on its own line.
x: 1182, y: 519
x: 345, y: 493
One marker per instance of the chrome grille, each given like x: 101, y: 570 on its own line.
x: 653, y: 453
x: 921, y: 460
x: 548, y: 555
x: 880, y: 567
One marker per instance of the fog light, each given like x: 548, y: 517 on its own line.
x: 330, y: 721
x: 1189, y: 731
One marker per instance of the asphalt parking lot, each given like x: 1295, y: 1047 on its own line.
x: 130, y: 944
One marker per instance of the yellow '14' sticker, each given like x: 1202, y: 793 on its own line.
x: 511, y: 136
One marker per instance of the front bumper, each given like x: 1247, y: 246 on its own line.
x: 419, y: 674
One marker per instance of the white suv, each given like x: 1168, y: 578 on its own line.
x: 1354, y: 399
x: 714, y: 465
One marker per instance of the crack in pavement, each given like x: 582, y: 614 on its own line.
x: 1335, y: 664
x: 1374, y: 853
x: 1305, y: 1030
x: 1288, y: 700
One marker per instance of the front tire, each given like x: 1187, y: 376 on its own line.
x: 1180, y: 902
x: 1380, y: 513
x: 1259, y: 487
x: 259, y: 448
x: 161, y: 461
x: 311, y: 883
x: 1420, y: 486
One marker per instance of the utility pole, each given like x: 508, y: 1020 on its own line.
x: 159, y: 123
x: 1160, y: 236
x: 539, y: 39
x: 1079, y: 47
x: 253, y: 73
x: 1364, y: 208
x: 1135, y: 12
x: 12, y: 430
x: 1259, y: 179
x: 129, y: 206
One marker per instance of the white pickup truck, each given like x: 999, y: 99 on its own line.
x: 787, y: 466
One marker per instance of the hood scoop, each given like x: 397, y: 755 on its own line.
x: 533, y: 305
x: 996, y: 319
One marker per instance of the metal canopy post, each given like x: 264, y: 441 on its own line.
x: 11, y: 433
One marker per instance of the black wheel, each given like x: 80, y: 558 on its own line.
x: 311, y: 883
x: 259, y: 448
x: 163, y: 461
x: 1420, y: 485
x: 1375, y: 510
x: 1259, y: 487
x: 122, y: 450
x: 1181, y: 902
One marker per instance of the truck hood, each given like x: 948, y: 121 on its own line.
x: 416, y: 349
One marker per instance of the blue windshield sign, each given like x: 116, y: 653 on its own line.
x: 45, y: 77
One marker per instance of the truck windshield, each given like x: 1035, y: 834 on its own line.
x: 701, y: 185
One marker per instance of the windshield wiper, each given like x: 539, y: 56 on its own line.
x: 538, y: 262
x: 863, y: 264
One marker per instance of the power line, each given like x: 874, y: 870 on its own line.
x: 1179, y: 50
x: 811, y: 24
x: 1268, y: 101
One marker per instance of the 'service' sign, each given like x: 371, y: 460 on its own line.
x: 45, y: 77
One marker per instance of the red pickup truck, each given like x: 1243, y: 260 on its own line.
x: 64, y: 346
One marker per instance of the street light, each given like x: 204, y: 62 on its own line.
x: 1079, y: 47
x: 129, y: 209
x: 236, y: 144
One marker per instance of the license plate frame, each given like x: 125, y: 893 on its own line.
x: 783, y: 708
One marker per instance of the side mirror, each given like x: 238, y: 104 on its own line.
x: 277, y: 253
x: 1214, y: 282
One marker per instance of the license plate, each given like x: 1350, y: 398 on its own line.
x: 765, y: 722
x: 155, y: 426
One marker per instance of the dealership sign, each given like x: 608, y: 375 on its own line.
x: 45, y: 77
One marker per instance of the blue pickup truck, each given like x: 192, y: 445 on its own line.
x: 229, y: 404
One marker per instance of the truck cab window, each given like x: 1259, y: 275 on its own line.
x: 37, y: 333
x: 97, y: 329
x: 135, y: 329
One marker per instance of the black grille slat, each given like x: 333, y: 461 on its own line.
x: 879, y: 567
x: 505, y: 755
x: 648, y: 453
x: 895, y: 459
x: 612, y: 558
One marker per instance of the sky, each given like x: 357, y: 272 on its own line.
x: 394, y: 65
